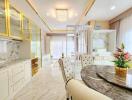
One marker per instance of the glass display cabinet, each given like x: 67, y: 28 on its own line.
x: 39, y: 46
x: 39, y: 43
x: 15, y: 23
x: 3, y: 18
x: 33, y: 41
x: 26, y: 28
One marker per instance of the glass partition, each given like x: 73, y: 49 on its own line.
x: 33, y: 41
x: 103, y: 46
x: 36, y: 43
x: 104, y: 40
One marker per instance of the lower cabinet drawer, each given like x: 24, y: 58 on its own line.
x: 18, y: 85
x: 18, y: 76
x: 11, y: 91
x: 17, y: 69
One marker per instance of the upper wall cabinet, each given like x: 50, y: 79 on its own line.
x: 15, y: 23
x: 3, y: 18
x: 26, y: 28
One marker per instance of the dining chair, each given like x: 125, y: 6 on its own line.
x: 79, y: 91
x: 86, y: 60
x: 67, y: 71
x: 66, y: 68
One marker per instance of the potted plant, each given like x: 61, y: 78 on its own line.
x: 121, y: 61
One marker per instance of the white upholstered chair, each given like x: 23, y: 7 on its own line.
x: 66, y: 68
x: 79, y: 91
x: 86, y: 60
x: 67, y: 71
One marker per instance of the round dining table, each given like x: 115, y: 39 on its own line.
x: 91, y: 77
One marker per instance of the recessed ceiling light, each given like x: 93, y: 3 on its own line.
x: 47, y: 14
x: 76, y: 14
x: 112, y: 7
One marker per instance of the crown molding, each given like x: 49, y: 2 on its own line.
x: 86, y: 10
x: 121, y: 16
x: 42, y: 19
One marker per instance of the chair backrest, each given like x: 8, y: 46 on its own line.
x: 66, y: 69
x: 86, y: 60
x: 60, y: 61
x: 79, y: 91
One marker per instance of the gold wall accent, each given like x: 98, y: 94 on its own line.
x: 86, y: 10
x: 42, y: 19
x: 102, y: 24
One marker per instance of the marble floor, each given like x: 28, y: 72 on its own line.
x: 46, y: 85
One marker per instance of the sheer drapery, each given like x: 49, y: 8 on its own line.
x: 116, y: 26
x: 126, y: 33
x: 59, y: 45
x: 84, y: 40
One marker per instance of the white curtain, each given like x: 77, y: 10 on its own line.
x: 57, y: 46
x: 126, y: 33
x: 70, y: 46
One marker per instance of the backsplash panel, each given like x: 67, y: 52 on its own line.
x: 9, y: 49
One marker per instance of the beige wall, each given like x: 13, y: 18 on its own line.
x: 101, y: 24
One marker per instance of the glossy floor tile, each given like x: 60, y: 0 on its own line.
x: 46, y: 85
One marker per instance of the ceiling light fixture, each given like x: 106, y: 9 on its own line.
x: 62, y: 15
x: 112, y: 7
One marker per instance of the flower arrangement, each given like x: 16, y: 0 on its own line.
x: 121, y: 57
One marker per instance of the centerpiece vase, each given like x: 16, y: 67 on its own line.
x: 121, y: 72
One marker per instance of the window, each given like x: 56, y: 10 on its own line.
x: 126, y: 33
x: 57, y: 46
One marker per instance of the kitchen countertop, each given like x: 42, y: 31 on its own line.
x: 6, y: 64
x: 92, y: 80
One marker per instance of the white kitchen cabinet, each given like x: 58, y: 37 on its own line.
x: 13, y: 78
x: 4, y: 92
x: 19, y: 76
x: 28, y: 72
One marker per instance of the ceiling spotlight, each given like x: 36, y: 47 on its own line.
x: 112, y: 7
x: 47, y: 14
x: 76, y: 14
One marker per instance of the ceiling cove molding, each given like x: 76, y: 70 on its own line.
x: 44, y: 22
x: 121, y: 16
x: 62, y: 31
x: 86, y: 10
x: 56, y: 34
